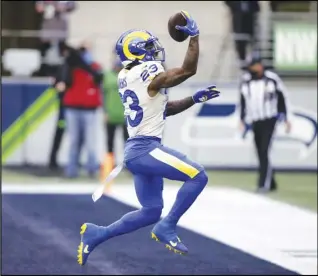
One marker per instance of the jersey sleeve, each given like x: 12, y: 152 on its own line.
x: 150, y: 71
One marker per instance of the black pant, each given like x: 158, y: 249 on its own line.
x: 59, y: 131
x: 263, y: 132
x: 243, y: 23
x: 111, y: 128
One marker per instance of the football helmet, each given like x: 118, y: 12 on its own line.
x: 139, y: 45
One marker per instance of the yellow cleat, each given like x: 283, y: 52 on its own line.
x: 83, y: 228
x: 90, y: 238
x: 79, y: 256
x: 80, y: 247
x: 154, y: 237
x: 168, y: 246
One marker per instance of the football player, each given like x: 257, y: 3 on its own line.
x: 142, y: 87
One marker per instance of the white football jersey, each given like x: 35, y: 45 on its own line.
x: 145, y: 115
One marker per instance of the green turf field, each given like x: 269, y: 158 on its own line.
x: 295, y: 188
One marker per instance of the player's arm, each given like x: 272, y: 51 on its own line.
x: 176, y: 76
x: 175, y: 107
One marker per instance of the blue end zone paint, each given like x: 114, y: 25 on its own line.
x: 23, y: 252
x: 16, y: 98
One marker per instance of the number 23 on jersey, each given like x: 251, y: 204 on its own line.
x: 133, y: 106
x: 130, y: 99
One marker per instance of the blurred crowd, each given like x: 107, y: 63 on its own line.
x: 244, y: 17
x: 245, y: 25
x: 54, y: 33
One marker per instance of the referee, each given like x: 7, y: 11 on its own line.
x: 262, y: 103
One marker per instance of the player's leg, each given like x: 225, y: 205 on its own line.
x: 173, y: 165
x: 149, y: 193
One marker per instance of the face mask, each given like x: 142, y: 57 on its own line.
x: 88, y: 57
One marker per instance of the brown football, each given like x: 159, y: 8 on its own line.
x: 177, y: 19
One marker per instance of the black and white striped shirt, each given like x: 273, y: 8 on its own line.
x: 262, y: 98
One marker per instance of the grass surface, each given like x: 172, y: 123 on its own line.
x: 294, y: 188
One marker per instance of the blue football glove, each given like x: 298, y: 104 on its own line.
x: 191, y: 28
x: 209, y: 93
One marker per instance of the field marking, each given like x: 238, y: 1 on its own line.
x: 48, y: 188
x: 266, y: 228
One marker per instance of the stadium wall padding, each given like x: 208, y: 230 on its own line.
x: 208, y: 133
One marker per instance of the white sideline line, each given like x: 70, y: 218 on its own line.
x: 269, y: 229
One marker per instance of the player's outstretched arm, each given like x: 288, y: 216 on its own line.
x: 176, y: 76
x: 175, y: 107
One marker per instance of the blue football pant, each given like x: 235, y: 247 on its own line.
x: 149, y: 171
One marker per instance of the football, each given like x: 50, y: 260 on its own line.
x: 177, y: 19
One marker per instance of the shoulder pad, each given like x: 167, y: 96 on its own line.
x: 149, y: 71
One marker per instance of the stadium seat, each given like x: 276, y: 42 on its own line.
x: 21, y: 62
